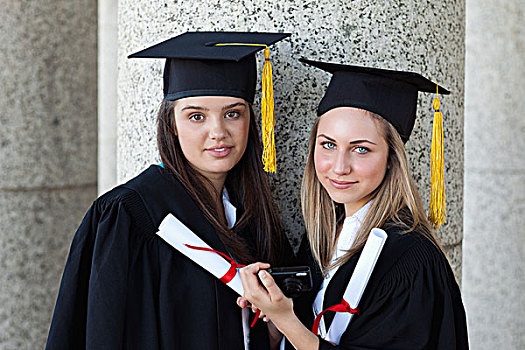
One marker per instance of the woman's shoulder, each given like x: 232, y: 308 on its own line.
x: 130, y: 200
x: 157, y: 193
x: 124, y: 194
x: 153, y: 184
x: 402, y: 241
x: 408, y: 253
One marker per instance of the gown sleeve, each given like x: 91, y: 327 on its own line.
x: 90, y: 308
x: 416, y: 305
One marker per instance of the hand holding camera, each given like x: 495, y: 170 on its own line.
x: 272, y: 290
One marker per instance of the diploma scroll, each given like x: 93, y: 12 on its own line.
x: 180, y: 237
x: 357, y: 284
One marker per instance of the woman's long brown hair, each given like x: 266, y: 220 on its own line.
x: 247, y: 186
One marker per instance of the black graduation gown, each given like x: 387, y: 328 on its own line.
x: 412, y: 300
x: 124, y: 287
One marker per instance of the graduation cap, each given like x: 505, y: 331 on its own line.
x: 393, y: 96
x: 220, y: 64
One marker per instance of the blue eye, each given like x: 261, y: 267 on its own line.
x: 361, y: 150
x: 232, y: 114
x: 196, y: 117
x: 328, y: 145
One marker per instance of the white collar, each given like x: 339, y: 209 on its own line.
x: 349, y: 230
x: 360, y: 214
x: 229, y: 209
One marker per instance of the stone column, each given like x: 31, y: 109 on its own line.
x: 422, y: 36
x: 47, y: 154
x: 107, y: 94
x: 494, y: 249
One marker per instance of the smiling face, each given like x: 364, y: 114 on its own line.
x: 213, y: 133
x: 350, y: 156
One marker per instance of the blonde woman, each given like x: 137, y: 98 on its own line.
x: 357, y: 178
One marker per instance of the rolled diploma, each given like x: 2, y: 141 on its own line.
x: 357, y: 284
x: 176, y: 234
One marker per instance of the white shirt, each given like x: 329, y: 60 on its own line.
x: 230, y: 212
x: 229, y: 209
x: 345, y: 240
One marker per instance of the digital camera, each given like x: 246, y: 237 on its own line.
x: 293, y: 280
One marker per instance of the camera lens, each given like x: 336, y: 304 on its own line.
x: 292, y: 287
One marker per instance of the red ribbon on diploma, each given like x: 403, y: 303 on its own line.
x: 230, y: 274
x: 342, y: 307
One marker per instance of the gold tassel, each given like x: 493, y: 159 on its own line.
x: 268, y: 116
x: 267, y: 109
x: 437, y: 212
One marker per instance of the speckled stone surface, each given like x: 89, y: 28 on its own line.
x: 455, y: 258
x: 36, y: 229
x: 494, y: 244
x: 423, y: 36
x: 48, y: 100
x: 47, y: 154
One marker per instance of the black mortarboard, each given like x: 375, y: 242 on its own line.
x: 388, y: 93
x: 199, y: 64
x: 220, y: 64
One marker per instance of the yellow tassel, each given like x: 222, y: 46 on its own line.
x: 437, y: 212
x: 267, y: 109
x: 268, y: 116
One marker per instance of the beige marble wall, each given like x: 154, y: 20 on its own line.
x: 47, y: 154
x: 494, y: 245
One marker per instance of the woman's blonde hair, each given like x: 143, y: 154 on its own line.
x: 395, y: 201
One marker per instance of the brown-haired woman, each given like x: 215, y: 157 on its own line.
x: 124, y: 286
x: 357, y: 178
